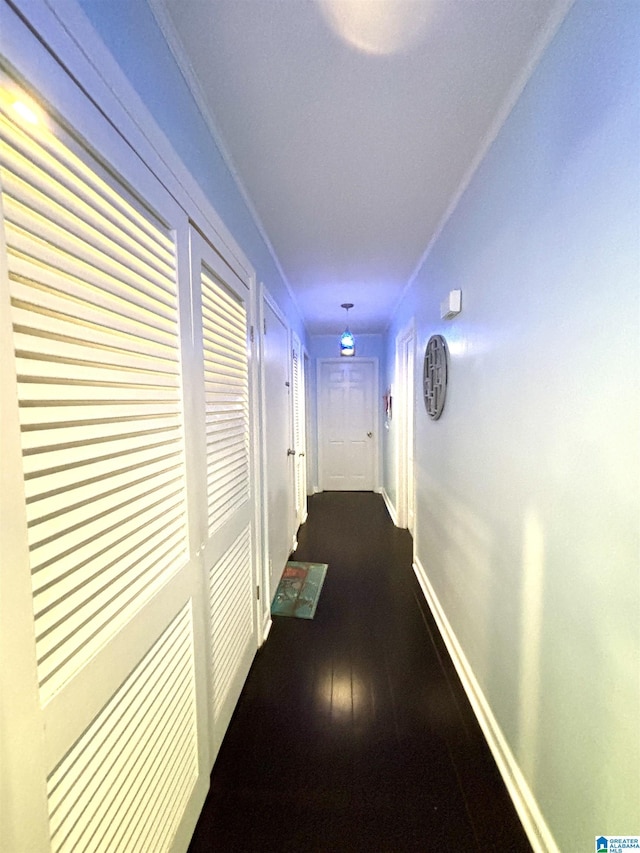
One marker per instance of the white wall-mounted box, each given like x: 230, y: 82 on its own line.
x: 452, y: 305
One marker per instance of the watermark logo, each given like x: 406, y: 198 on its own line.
x: 617, y: 843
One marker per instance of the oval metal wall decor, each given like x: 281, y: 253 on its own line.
x: 434, y: 377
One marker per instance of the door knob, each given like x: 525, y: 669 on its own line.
x: 369, y: 434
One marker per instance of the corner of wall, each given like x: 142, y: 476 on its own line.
x: 388, y: 503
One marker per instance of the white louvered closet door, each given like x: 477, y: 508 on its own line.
x: 100, y: 528
x: 221, y: 321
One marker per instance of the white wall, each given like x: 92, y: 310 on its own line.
x: 528, y: 486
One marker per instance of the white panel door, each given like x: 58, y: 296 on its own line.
x: 311, y: 427
x: 280, y: 466
x: 221, y: 311
x: 299, y: 432
x: 108, y: 677
x: 347, y: 424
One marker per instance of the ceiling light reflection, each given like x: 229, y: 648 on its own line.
x: 26, y: 112
x: 345, y: 695
x: 379, y: 27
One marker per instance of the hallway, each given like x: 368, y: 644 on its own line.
x: 353, y: 732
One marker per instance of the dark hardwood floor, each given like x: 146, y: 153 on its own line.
x: 353, y: 732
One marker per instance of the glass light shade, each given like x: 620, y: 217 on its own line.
x: 347, y: 343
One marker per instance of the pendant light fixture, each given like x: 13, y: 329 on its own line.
x: 347, y: 341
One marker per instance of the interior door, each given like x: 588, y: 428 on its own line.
x: 221, y: 334
x: 109, y: 673
x: 347, y: 424
x: 299, y: 432
x: 280, y: 465
x: 311, y: 428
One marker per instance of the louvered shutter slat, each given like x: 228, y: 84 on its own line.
x: 225, y: 431
x: 97, y: 315
x: 95, y: 321
x: 94, y: 469
x: 119, y: 374
x: 74, y: 515
x: 75, y: 392
x: 228, y: 353
x: 50, y: 460
x: 43, y: 177
x: 139, y: 757
x: 74, y: 281
x: 109, y: 740
x: 56, y: 158
x: 90, y: 599
x: 230, y: 602
x: 71, y: 214
x: 66, y: 563
x: 65, y: 345
x: 87, y: 495
x: 46, y: 416
x: 126, y: 560
x: 36, y: 321
x: 27, y: 227
x: 226, y: 385
x: 55, y: 657
x: 92, y: 431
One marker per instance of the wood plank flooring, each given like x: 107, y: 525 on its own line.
x: 353, y: 732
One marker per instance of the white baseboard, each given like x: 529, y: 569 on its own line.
x: 390, y: 507
x: 266, y: 627
x: 525, y: 803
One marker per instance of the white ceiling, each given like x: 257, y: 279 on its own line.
x: 354, y: 125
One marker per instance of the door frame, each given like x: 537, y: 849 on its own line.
x: 405, y: 436
x: 376, y: 412
x: 203, y: 253
x: 266, y: 593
